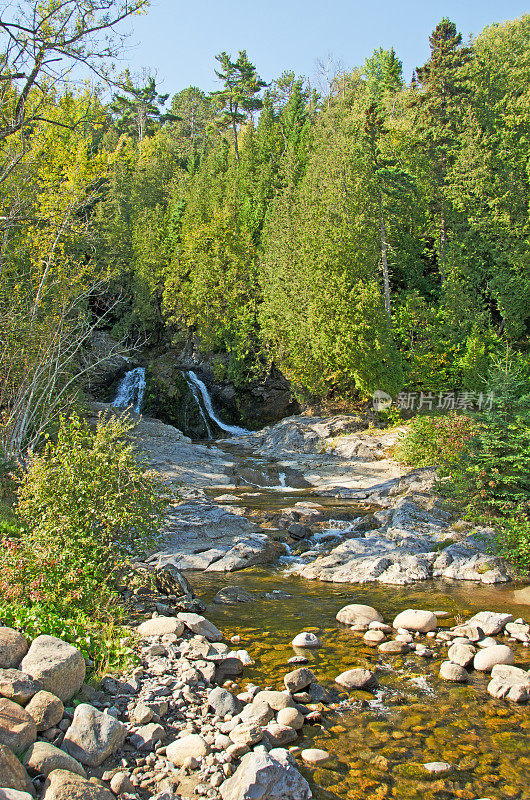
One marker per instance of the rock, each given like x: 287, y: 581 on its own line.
x: 42, y: 758
x: 490, y: 622
x: 291, y: 717
x: 280, y: 735
x: 357, y: 614
x: 298, y: 679
x: 246, y: 734
x: 509, y: 683
x: 147, y: 736
x: 46, y: 709
x: 306, y: 639
x: 200, y: 625
x: 13, y: 794
x: 461, y: 654
x: 275, y: 700
x: 453, y: 672
x: 93, y: 737
x: 232, y: 594
x: 120, y: 783
x: 63, y: 785
x: 17, y: 686
x: 17, y: 728
x: 315, y: 756
x: 486, y: 659
x: 416, y: 620
x: 192, y: 745
x: 253, y: 550
x: 257, y: 713
x: 224, y: 702
x: 393, y: 647
x: 57, y: 665
x: 438, y: 767
x: 266, y: 776
x: 170, y: 580
x: 13, y: 648
x: 158, y: 626
x: 489, y: 641
x: 141, y: 714
x: 374, y: 637
x: 519, y: 631
x: 12, y: 774
x: 228, y: 668
x: 357, y: 679
x: 472, y: 632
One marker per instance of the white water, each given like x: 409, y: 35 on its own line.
x: 233, y: 429
x: 131, y: 390
x: 195, y: 393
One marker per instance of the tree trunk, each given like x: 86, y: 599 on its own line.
x: 234, y: 128
x: 384, y: 262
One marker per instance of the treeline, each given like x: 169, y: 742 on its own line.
x: 370, y: 236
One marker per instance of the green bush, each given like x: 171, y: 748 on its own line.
x: 435, y: 441
x: 87, y: 504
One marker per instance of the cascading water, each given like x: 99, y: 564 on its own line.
x: 196, y: 383
x: 131, y: 390
x: 195, y: 393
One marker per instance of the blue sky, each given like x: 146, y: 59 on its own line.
x: 179, y: 40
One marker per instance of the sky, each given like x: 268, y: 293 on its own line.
x: 178, y: 41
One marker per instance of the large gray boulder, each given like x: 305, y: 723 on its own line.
x: 358, y: 614
x: 299, y: 679
x: 266, y: 776
x: 42, y: 758
x: 12, y: 774
x: 93, y: 737
x: 17, y: 686
x: 201, y: 626
x: 13, y: 647
x: 158, y: 626
x: 17, y: 728
x: 416, y: 620
x: 57, y: 665
x: 63, y: 785
x: 491, y: 622
x: 224, y: 702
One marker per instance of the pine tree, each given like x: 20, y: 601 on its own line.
x: 140, y: 107
x: 239, y: 96
x: 439, y: 103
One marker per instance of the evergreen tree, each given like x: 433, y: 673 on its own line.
x: 239, y: 96
x: 140, y: 107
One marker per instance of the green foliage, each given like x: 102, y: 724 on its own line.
x: 435, y: 441
x: 87, y: 504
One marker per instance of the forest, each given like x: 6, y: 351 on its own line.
x: 363, y: 234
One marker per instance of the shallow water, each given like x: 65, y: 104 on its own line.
x: 380, y: 740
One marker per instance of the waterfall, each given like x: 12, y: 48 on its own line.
x: 131, y: 390
x: 196, y: 382
x: 195, y: 392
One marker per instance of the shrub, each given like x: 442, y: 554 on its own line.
x: 435, y: 441
x: 87, y: 504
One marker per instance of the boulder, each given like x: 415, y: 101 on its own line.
x: 93, y: 737
x: 298, y: 679
x: 13, y: 648
x: 519, y: 631
x: 486, y: 659
x: 246, y: 734
x: 280, y: 735
x: 453, y: 672
x: 17, y: 686
x: 147, y: 736
x: 358, y: 614
x: 13, y: 794
x: 266, y: 776
x: 416, y: 620
x: 42, y: 758
x: 291, y: 717
x: 12, y: 774
x: 224, y: 702
x: 158, y: 626
x: 374, y: 637
x: 229, y: 595
x: 192, y: 745
x: 57, y: 665
x: 200, y: 625
x: 472, y: 632
x: 306, y: 639
x: 314, y: 756
x: 258, y: 713
x: 357, y: 679
x: 490, y: 622
x: 461, y: 654
x: 393, y: 647
x: 120, y: 783
x: 509, y: 683
x: 63, y: 785
x: 228, y: 668
x: 17, y: 728
x: 46, y: 709
x: 275, y: 700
